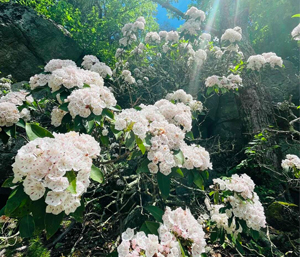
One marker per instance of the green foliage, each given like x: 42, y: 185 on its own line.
x: 37, y: 249
x: 95, y: 24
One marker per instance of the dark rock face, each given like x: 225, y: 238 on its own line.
x: 28, y: 41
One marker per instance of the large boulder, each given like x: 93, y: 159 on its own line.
x: 28, y: 41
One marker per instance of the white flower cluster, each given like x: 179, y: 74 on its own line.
x: 56, y: 116
x: 152, y: 38
x: 171, y: 36
x: 192, y: 26
x: 130, y: 29
x: 178, y: 225
x: 127, y: 77
x: 217, y: 52
x: 250, y: 210
x: 181, y: 96
x: 292, y: 161
x: 184, y: 227
x: 205, y: 37
x: 17, y: 98
x: 296, y: 32
x: 230, y: 82
x: 89, y: 100
x: 56, y: 64
x: 197, y: 57
x: 65, y: 73
x: 5, y: 85
x: 241, y: 184
x: 139, y: 244
x: 91, y: 62
x: 44, y: 162
x: 137, y: 50
x: 9, y: 113
x: 232, y: 35
x: 195, y: 156
x: 194, y: 13
x: 166, y: 124
x: 256, y: 62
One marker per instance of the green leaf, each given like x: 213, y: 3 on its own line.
x: 181, y: 249
x: 64, y: 107
x: 14, y: 200
x: 38, y: 212
x: 104, y: 140
x: 4, y: 137
x: 209, y: 90
x: 21, y: 123
x: 26, y: 226
x: 255, y: 234
x: 72, y: 181
x: 213, y: 236
x: 89, y: 126
x: 34, y: 131
x: 198, y: 180
x: 117, y: 133
x: 52, y: 223
x: 145, y: 229
x: 152, y: 227
x: 143, y: 168
x: 140, y: 144
x: 239, y: 247
x: 222, y: 236
x: 109, y: 114
x: 156, y: 212
x: 164, y: 183
x: 10, y: 131
x: 130, y: 140
x: 190, y: 135
x: 177, y: 172
x: 216, y: 197
x: 96, y: 174
x: 179, y: 156
x: 113, y: 254
x: 296, y: 16
x: 8, y: 183
x: 78, y: 214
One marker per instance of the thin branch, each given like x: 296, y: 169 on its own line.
x: 170, y: 7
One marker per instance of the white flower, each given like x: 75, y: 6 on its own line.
x: 232, y: 35
x: 291, y: 161
x: 296, y: 32
x: 44, y: 162
x: 55, y: 64
x: 152, y: 38
x: 34, y: 188
x: 57, y: 116
x: 9, y: 114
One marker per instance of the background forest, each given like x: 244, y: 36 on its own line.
x: 226, y: 95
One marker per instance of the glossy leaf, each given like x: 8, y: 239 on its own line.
x: 27, y: 226
x: 96, y: 174
x: 14, y: 200
x: 72, y: 181
x: 143, y: 168
x: 8, y: 183
x: 52, y: 223
x: 156, y: 212
x: 164, y: 183
x: 34, y: 131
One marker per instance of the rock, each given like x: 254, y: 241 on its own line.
x: 28, y: 41
x: 282, y: 216
x: 281, y: 83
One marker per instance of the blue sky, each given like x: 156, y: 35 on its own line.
x: 162, y: 17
